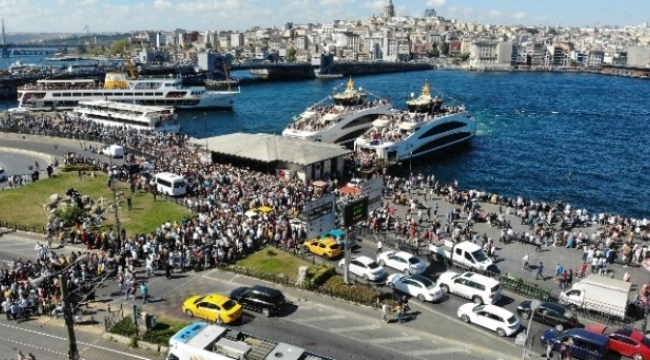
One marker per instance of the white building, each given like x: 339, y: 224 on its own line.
x: 638, y: 56
x: 236, y: 39
x: 490, y: 54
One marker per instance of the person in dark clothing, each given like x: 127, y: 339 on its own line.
x: 129, y: 204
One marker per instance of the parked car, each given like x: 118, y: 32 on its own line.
x: 3, y: 175
x: 402, y: 261
x: 626, y: 342
x: 549, y: 313
x: 478, y: 288
x: 582, y: 344
x: 213, y: 307
x: 491, y: 317
x: 418, y: 286
x: 259, y: 298
x: 325, y: 247
x: 365, y: 267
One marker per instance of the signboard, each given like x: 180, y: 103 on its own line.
x: 320, y: 215
x: 372, y: 188
x: 355, y: 211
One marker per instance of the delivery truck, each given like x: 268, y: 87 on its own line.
x: 464, y: 254
x: 600, y: 294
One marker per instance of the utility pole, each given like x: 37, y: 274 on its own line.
x: 73, y: 353
x: 348, y: 254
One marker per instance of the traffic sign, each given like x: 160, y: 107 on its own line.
x: 355, y: 211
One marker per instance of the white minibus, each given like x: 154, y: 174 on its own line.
x: 170, y: 184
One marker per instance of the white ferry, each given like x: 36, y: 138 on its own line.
x: 155, y: 91
x: 117, y: 114
x: 350, y: 115
x: 406, y: 135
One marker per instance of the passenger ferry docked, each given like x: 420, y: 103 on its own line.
x: 350, y: 115
x: 406, y: 135
x: 117, y: 114
x: 156, y: 91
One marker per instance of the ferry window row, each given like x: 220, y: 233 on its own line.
x: 106, y: 94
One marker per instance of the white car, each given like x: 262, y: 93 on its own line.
x: 424, y: 289
x: 491, y: 317
x: 365, y: 267
x: 402, y: 261
x: 17, y: 111
x: 476, y: 287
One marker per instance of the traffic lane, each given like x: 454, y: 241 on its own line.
x: 449, y: 305
x: 277, y: 328
x: 50, y: 340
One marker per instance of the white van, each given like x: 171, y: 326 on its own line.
x: 170, y: 184
x: 115, y: 151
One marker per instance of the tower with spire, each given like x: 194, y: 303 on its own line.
x: 389, y: 10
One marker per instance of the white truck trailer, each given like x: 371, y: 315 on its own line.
x: 599, y: 293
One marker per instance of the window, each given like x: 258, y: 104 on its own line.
x: 623, y: 339
x: 442, y: 128
x: 229, y: 304
x: 439, y: 143
x: 56, y: 94
x: 468, y: 257
x: 163, y: 182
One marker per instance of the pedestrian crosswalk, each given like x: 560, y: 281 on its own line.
x: 392, y: 337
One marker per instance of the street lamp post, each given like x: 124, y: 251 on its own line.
x: 534, y: 305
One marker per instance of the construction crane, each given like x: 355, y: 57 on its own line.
x: 87, y: 29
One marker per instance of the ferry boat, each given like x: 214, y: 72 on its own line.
x: 406, y: 135
x: 423, y: 103
x: 117, y: 114
x: 350, y: 115
x: 155, y: 91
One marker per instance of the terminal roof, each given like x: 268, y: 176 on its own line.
x: 270, y: 148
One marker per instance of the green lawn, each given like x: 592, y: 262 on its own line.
x: 274, y: 261
x: 24, y: 205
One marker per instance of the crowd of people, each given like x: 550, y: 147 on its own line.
x: 222, y: 230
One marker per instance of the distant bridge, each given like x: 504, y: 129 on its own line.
x: 12, y: 49
x: 261, y: 65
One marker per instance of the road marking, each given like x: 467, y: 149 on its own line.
x: 320, y: 318
x: 355, y: 328
x: 35, y: 347
x: 78, y: 342
x: 394, y: 340
x: 447, y: 350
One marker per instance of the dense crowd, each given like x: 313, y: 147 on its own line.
x: 227, y: 224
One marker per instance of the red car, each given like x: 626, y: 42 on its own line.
x: 626, y: 342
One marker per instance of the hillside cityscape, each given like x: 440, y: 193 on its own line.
x: 391, y: 37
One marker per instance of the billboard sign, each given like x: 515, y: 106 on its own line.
x: 320, y: 215
x: 372, y: 188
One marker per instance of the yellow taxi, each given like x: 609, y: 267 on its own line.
x: 325, y: 247
x: 213, y: 307
x: 264, y: 209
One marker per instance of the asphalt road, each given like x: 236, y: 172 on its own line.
x: 330, y: 327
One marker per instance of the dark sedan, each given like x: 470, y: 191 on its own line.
x: 549, y: 313
x: 259, y: 298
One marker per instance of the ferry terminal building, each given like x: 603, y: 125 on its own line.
x: 285, y: 156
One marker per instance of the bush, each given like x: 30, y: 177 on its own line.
x: 79, y: 167
x: 124, y: 327
x: 162, y: 332
x: 318, y: 274
x: 70, y: 215
x: 359, y: 293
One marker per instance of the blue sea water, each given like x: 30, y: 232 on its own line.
x: 582, y: 138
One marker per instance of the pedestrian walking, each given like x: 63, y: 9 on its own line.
x: 385, y: 311
x: 129, y: 203
x: 540, y: 269
x: 549, y: 351
x: 525, y: 262
x: 627, y: 277
x: 143, y: 291
x: 378, y: 247
x: 6, y: 307
x: 400, y: 313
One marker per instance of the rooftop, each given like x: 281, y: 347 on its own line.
x: 269, y: 148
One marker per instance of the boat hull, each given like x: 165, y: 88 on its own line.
x: 436, y: 136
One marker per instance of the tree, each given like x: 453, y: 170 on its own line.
x: 464, y: 57
x: 119, y: 46
x: 187, y: 46
x: 291, y: 55
x: 444, y: 48
x: 434, y: 53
